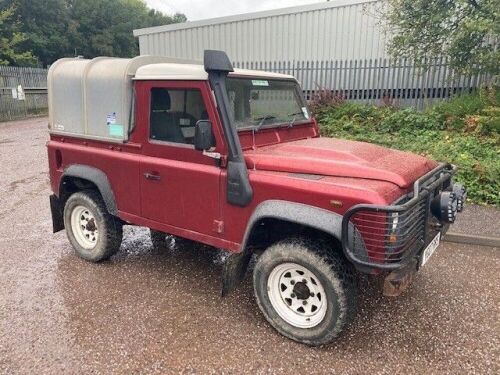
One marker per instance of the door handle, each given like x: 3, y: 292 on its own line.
x: 151, y: 176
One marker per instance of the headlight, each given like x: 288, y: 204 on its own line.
x: 444, y: 206
x: 394, y: 221
x: 393, y: 227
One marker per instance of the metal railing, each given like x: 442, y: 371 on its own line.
x: 396, y: 81
x: 23, y: 92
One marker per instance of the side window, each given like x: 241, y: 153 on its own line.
x: 174, y: 113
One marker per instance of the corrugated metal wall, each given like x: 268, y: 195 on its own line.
x: 340, y: 30
x: 337, y: 46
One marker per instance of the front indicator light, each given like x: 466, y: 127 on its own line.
x: 392, y: 238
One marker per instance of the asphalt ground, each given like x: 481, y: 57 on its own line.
x: 161, y: 312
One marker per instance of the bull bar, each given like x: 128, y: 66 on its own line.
x: 390, y: 237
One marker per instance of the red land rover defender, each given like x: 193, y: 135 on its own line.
x: 233, y: 159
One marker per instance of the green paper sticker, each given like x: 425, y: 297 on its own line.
x: 260, y: 82
x: 116, y: 130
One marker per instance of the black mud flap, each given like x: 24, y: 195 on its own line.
x: 234, y: 271
x: 56, y: 209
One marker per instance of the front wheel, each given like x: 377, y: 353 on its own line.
x: 305, y: 290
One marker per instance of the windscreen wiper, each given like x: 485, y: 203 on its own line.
x: 262, y: 119
x: 291, y: 123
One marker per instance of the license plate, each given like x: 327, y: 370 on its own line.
x: 429, y: 250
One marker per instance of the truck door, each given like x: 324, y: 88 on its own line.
x: 179, y: 185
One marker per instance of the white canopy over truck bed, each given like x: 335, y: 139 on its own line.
x: 93, y: 98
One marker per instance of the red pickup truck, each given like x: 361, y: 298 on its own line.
x: 233, y: 159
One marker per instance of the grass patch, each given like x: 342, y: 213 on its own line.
x: 463, y: 131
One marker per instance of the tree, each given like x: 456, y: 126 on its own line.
x: 45, y: 24
x: 106, y: 27
x: 466, y: 31
x: 46, y: 30
x: 11, y: 40
x: 156, y: 18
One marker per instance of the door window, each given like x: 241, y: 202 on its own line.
x: 174, y: 113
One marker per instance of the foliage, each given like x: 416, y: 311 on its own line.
x: 467, y: 31
x: 11, y: 39
x: 324, y: 98
x: 58, y: 28
x: 464, y: 130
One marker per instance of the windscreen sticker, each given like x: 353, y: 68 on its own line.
x: 306, y: 114
x: 260, y: 82
x: 116, y: 130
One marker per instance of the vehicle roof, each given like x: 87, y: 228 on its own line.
x: 183, y: 71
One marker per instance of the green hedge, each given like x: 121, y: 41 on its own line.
x: 464, y: 131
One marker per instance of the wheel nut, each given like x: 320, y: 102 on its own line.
x: 312, y: 294
x: 304, y: 302
x: 292, y: 282
x: 292, y: 295
x: 304, y: 280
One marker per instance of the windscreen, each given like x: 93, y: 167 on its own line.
x: 257, y: 103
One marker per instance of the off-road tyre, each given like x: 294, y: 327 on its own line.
x: 331, y: 272
x: 109, y: 228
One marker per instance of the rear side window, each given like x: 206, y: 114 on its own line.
x: 174, y: 113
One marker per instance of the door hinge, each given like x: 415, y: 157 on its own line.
x: 218, y: 226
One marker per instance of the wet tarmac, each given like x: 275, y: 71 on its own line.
x: 161, y: 312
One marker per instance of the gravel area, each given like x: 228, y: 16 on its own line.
x: 161, y: 312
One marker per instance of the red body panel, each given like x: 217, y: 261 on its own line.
x: 342, y: 158
x: 190, y: 198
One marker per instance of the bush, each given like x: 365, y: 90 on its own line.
x: 463, y: 131
x: 462, y: 111
x: 323, y: 99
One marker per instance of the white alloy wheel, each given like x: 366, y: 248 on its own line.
x: 84, y: 227
x: 297, y: 295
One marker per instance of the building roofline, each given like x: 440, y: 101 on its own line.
x: 248, y: 16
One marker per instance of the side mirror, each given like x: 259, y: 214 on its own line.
x: 204, y: 138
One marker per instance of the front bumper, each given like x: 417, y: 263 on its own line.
x: 393, y: 237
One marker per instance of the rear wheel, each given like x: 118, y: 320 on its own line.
x: 93, y: 232
x: 305, y: 290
